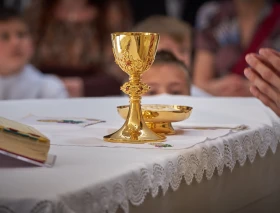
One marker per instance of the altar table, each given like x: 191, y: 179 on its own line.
x: 238, y: 172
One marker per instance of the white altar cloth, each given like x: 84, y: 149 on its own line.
x: 99, y: 179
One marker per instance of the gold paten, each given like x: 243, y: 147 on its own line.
x: 134, y: 53
x: 159, y: 117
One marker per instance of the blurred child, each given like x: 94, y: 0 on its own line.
x: 175, y: 35
x: 168, y: 75
x: 18, y: 80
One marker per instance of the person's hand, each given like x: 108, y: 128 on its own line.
x: 264, y: 74
x: 231, y: 85
x: 74, y: 86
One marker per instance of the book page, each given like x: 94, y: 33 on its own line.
x: 10, y: 124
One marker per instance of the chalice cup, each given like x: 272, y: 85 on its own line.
x: 134, y: 53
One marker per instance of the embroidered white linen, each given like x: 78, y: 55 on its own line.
x: 99, y: 179
x: 75, y: 135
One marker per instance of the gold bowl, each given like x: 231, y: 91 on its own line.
x: 159, y: 117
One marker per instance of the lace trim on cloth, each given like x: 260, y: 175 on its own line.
x: 191, y: 164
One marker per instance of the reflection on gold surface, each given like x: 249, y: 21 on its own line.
x: 134, y: 53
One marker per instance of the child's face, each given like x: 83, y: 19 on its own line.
x: 182, y: 52
x: 15, y: 46
x: 166, y: 78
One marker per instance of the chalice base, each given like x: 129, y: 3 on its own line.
x: 134, y: 130
x: 161, y: 127
x: 146, y: 135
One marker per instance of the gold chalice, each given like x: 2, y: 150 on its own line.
x: 159, y: 117
x: 134, y: 53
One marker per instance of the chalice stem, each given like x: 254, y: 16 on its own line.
x: 134, y: 118
x: 135, y: 113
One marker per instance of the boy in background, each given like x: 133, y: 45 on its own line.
x: 18, y: 79
x: 176, y: 38
x: 167, y: 75
x: 175, y: 35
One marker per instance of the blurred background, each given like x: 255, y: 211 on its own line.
x: 140, y: 9
x: 70, y: 49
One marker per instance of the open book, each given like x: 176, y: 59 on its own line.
x: 23, y: 140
